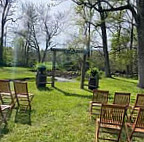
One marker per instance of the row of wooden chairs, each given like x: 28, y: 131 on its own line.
x: 101, y: 97
x: 9, y: 98
x: 112, y: 116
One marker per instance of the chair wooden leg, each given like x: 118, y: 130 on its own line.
x: 90, y: 108
x: 127, y: 134
x: 97, y: 131
x: 30, y: 107
x: 18, y: 102
x: 1, y: 99
x: 29, y: 104
x: 119, y: 135
x: 131, y: 135
x: 3, y: 117
x: 12, y: 102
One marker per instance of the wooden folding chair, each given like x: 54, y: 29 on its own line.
x: 23, y: 97
x: 121, y: 98
x: 3, y: 108
x: 99, y: 97
x: 111, y: 122
x: 139, y: 103
x: 6, y: 95
x: 137, y: 127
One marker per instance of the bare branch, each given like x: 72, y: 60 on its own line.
x: 13, y: 20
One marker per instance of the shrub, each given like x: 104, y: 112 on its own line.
x: 94, y: 72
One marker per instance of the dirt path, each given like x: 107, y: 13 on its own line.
x: 61, y: 79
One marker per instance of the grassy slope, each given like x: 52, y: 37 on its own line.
x: 59, y: 114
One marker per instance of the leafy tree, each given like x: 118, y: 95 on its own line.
x: 6, y: 14
x: 137, y: 10
x: 102, y: 25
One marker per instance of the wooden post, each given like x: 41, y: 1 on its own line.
x: 83, y: 71
x: 53, y: 68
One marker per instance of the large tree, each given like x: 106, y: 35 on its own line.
x: 40, y: 26
x: 137, y: 10
x: 5, y: 14
x: 51, y: 26
x: 102, y: 24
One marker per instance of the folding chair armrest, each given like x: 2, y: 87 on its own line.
x: 13, y: 92
x: 98, y: 120
x: 127, y: 125
x: 96, y: 104
x: 4, y: 107
x: 91, y: 102
x: 131, y: 107
x: 31, y: 94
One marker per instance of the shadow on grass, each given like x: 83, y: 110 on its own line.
x: 123, y: 80
x: 72, y: 94
x: 3, y: 130
x: 23, y: 116
x: 3, y: 126
x: 44, y: 89
x: 88, y: 90
x: 23, y: 79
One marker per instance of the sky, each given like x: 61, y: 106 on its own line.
x: 67, y: 6
x: 70, y: 29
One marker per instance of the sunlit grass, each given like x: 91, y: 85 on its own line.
x: 15, y: 73
x: 60, y: 114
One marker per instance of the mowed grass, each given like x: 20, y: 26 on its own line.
x: 59, y: 114
x: 15, y: 73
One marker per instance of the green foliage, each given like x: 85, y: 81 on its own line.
x: 93, y: 72
x: 121, y: 41
x: 121, y: 55
x: 8, y: 56
x: 48, y: 65
x: 22, y: 55
x: 69, y: 62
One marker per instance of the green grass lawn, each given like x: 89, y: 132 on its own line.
x: 58, y: 114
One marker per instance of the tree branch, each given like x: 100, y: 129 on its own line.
x: 111, y: 9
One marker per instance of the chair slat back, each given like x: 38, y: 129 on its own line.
x: 112, y: 114
x: 5, y: 86
x: 20, y: 87
x: 140, y: 119
x: 100, y: 96
x: 122, y: 98
x: 139, y: 100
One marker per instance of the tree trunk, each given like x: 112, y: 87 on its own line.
x: 88, y: 39
x: 3, y: 22
x: 45, y: 51
x: 83, y: 72
x: 1, y: 48
x: 39, y: 55
x: 131, y: 48
x: 104, y: 41
x: 140, y: 31
x: 44, y: 56
x: 53, y: 68
x: 27, y: 56
x: 1, y: 42
x: 105, y: 48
